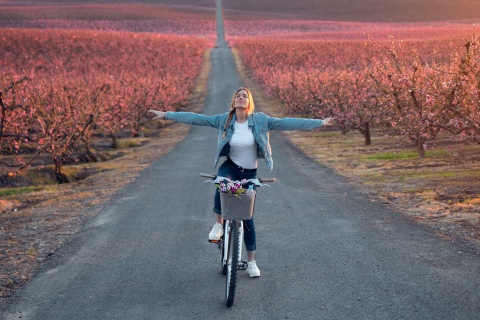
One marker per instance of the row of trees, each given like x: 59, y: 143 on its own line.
x: 337, y: 30
x: 59, y: 89
x: 193, y: 27
x: 406, y: 89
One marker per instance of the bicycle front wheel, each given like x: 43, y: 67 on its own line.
x: 234, y: 243
x: 224, y: 248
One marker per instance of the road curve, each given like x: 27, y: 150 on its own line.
x: 324, y: 249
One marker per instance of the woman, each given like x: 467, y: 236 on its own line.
x: 242, y: 138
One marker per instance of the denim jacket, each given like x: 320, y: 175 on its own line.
x: 259, y: 122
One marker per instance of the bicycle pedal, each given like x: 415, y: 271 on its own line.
x: 243, y: 265
x: 213, y: 241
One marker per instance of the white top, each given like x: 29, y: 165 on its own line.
x: 243, y: 147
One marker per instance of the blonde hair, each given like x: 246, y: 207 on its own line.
x: 251, y: 107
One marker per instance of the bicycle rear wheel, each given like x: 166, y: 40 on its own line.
x: 234, y: 243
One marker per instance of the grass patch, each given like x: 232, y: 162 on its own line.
x: 21, y: 190
x: 408, y: 175
x: 392, y: 155
x: 402, y: 155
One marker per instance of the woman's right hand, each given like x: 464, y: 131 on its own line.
x: 158, y: 114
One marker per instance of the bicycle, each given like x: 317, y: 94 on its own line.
x: 235, y: 209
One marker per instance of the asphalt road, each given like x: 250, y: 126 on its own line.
x: 324, y: 249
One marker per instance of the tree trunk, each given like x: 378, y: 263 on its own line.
x: 366, y: 134
x: 61, y: 178
x: 2, y: 120
x: 90, y: 153
x: 114, y: 140
x: 421, y: 149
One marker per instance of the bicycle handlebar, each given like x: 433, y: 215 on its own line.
x: 206, y: 175
x: 213, y: 177
x: 267, y: 180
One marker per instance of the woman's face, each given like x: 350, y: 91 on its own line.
x: 241, y: 99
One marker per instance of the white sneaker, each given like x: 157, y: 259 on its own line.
x: 252, y: 269
x: 216, y: 233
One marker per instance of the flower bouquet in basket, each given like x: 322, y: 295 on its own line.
x: 236, y: 201
x: 232, y: 187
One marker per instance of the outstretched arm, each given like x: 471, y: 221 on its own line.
x: 190, y: 118
x: 297, y: 123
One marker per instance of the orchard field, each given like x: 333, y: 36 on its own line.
x: 77, y: 77
x: 405, y: 96
x: 69, y: 87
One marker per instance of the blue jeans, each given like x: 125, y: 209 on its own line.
x: 229, y: 171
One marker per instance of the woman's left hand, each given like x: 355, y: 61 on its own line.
x: 328, y: 121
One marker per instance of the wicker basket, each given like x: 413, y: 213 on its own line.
x: 237, y: 206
